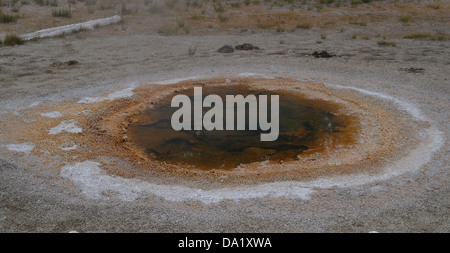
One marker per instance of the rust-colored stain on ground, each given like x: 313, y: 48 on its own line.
x: 357, y: 136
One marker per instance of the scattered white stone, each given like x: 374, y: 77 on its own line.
x: 69, y: 148
x: 128, y: 92
x: 21, y: 148
x: 53, y: 115
x: 65, y: 126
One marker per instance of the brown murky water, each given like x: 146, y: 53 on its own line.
x: 304, y: 124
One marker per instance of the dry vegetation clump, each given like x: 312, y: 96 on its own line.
x: 12, y: 40
x: 386, y: 43
x: 5, y: 18
x: 172, y: 17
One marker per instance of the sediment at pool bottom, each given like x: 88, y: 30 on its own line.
x: 304, y: 124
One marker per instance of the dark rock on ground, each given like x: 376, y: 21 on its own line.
x: 67, y: 63
x: 413, y: 70
x: 226, y: 49
x: 322, y: 54
x: 246, y: 46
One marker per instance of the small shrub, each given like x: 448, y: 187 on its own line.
x: 12, y: 40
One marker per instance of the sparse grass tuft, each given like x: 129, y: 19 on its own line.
x: 386, y: 43
x: 223, y: 18
x: 168, y: 29
x: 426, y: 36
x: 236, y: 5
x: 171, y: 4
x: 192, y: 51
x: 180, y: 23
x: 125, y: 11
x: 433, y: 6
x: 12, y: 40
x: 405, y: 19
x: 53, y: 3
x: 304, y: 26
x: 155, y: 9
x: 4, y: 18
x: 62, y: 12
x: 219, y: 7
x: 362, y: 23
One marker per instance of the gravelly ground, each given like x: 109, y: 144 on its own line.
x: 33, y: 200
